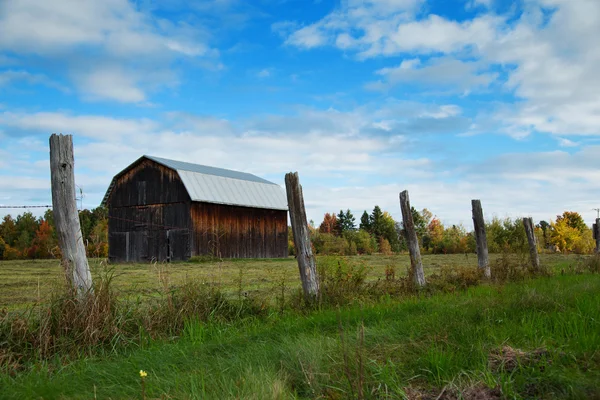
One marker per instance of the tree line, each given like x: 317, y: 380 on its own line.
x: 28, y: 237
x: 379, y: 232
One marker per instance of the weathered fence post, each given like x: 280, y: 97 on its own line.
x: 66, y: 217
x: 535, y: 258
x: 304, y: 254
x: 483, y: 260
x: 596, y: 230
x: 416, y: 265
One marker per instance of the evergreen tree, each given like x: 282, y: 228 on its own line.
x: 340, y: 223
x: 365, y: 222
x: 345, y: 222
x: 350, y: 221
x: 376, y: 221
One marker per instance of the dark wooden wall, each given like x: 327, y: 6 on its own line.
x: 238, y: 232
x: 151, y: 217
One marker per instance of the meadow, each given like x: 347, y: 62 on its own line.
x: 525, y: 337
x: 25, y: 282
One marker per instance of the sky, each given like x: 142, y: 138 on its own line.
x: 451, y: 100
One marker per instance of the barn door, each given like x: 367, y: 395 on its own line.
x: 178, y: 244
x: 128, y: 246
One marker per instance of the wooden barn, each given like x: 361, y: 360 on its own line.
x: 163, y: 209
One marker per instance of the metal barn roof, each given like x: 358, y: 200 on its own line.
x: 220, y: 186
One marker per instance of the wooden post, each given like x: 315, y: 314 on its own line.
x: 416, y: 266
x: 535, y: 258
x: 597, y: 235
x: 66, y: 217
x: 304, y: 254
x: 483, y: 261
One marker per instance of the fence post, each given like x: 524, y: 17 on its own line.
x: 535, y: 258
x: 66, y: 217
x: 416, y: 264
x: 304, y: 254
x: 597, y: 235
x: 483, y: 261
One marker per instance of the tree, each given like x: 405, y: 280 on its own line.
x: 389, y: 231
x: 434, y: 237
x: 544, y: 227
x: 365, y: 222
x: 350, y: 221
x: 564, y: 236
x: 420, y: 222
x: 340, y: 223
x: 376, y: 222
x: 573, y: 220
x: 8, y: 230
x: 329, y: 223
x: 570, y: 233
x: 99, y: 239
x: 26, y: 226
x: 43, y: 243
x: 345, y: 222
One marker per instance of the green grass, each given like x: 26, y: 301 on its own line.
x: 24, y: 282
x: 414, y: 346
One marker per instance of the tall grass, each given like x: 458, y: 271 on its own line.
x: 532, y: 339
x: 387, y: 339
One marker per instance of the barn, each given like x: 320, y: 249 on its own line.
x: 164, y: 210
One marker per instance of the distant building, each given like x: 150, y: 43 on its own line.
x: 163, y: 209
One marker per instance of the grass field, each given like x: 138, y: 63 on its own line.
x: 538, y: 339
x: 23, y: 282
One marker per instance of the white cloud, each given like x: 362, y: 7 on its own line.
x: 110, y: 83
x: 442, y: 73
x: 353, y: 159
x: 105, y: 45
x: 566, y: 142
x: 547, y: 56
x: 91, y: 126
x: 10, y: 76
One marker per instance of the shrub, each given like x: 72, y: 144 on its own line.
x: 384, y: 246
x: 342, y: 281
x: 365, y: 243
x: 329, y: 244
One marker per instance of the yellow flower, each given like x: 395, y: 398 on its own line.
x: 143, y: 373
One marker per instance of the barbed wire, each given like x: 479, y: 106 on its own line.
x: 36, y: 206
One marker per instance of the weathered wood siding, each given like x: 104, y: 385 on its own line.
x: 149, y: 215
x: 238, y: 232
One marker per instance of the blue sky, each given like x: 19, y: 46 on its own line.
x: 452, y: 100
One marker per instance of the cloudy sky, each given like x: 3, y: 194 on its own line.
x: 450, y: 99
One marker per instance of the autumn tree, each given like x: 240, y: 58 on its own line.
x: 44, y: 243
x: 8, y: 230
x: 329, y: 223
x: 570, y: 233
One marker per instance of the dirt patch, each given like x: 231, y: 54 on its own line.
x: 508, y: 358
